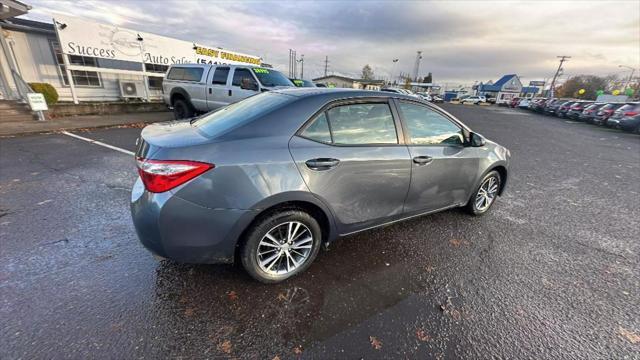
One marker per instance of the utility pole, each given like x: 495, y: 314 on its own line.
x: 416, y: 66
x: 326, y: 65
x: 295, y: 64
x: 301, y: 61
x: 562, y: 58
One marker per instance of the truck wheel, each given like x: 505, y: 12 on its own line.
x: 182, y: 109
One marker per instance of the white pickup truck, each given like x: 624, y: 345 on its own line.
x: 196, y: 88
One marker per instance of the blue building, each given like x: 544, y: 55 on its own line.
x: 503, y: 90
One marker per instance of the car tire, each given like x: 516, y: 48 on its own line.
x: 275, y: 226
x: 477, y: 208
x: 182, y: 109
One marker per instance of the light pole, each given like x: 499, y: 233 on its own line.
x: 393, y: 71
x: 145, y: 79
x: 301, y: 61
x: 633, y: 70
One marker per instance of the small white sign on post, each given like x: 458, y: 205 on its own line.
x: 37, y: 103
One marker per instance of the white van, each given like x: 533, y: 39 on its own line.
x: 196, y: 88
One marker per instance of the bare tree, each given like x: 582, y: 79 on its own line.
x: 367, y: 72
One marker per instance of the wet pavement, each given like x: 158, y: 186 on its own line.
x: 551, y: 272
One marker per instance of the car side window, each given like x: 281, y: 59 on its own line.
x: 357, y: 124
x: 240, y: 74
x: 428, y: 127
x: 318, y: 130
x: 193, y: 74
x: 220, y: 76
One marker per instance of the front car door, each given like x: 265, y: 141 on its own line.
x: 236, y: 91
x: 443, y: 169
x: 351, y: 156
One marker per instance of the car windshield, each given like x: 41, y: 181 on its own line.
x: 229, y: 117
x: 271, y: 78
x: 303, y: 83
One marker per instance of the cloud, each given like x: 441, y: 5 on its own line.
x: 462, y: 41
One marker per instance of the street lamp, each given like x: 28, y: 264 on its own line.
x: 301, y: 61
x: 393, y: 70
x: 633, y: 70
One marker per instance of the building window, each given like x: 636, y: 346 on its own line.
x: 155, y: 82
x: 156, y: 68
x: 80, y: 78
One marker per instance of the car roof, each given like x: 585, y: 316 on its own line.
x: 339, y: 93
x: 211, y: 65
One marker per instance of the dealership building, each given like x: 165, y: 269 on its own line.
x: 88, y: 62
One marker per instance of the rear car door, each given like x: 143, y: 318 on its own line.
x: 236, y: 92
x: 218, y: 90
x: 443, y: 169
x: 351, y: 156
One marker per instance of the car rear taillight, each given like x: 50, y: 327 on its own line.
x: 631, y: 113
x: 163, y: 175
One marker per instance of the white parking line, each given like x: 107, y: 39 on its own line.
x: 99, y: 143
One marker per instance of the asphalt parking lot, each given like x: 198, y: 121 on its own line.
x: 551, y: 272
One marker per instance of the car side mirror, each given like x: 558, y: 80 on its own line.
x: 476, y: 140
x: 248, y: 84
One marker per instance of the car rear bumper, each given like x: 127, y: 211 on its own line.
x: 180, y: 230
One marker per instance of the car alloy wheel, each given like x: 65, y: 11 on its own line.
x: 280, y: 244
x: 486, y: 193
x: 284, y: 248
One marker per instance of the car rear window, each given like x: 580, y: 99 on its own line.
x: 237, y: 114
x: 185, y: 73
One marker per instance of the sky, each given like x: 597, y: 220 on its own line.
x: 461, y: 41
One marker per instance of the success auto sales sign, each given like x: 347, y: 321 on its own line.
x: 86, y: 38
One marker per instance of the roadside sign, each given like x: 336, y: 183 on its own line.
x: 536, y: 83
x: 37, y: 102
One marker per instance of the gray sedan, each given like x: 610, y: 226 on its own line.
x: 269, y: 180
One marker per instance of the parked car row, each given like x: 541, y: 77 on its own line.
x: 625, y: 116
x: 420, y: 95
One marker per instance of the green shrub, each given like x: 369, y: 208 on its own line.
x: 49, y: 92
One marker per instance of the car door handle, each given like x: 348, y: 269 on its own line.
x: 229, y: 92
x: 210, y: 90
x: 322, y: 163
x: 422, y: 160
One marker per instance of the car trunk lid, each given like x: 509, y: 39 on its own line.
x: 168, y: 135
